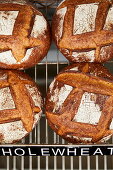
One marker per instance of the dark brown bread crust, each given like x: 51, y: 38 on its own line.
x: 100, y: 39
x: 21, y: 40
x: 91, y: 78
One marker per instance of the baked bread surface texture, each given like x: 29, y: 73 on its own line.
x: 79, y: 103
x: 22, y: 2
x: 24, y: 35
x: 83, y: 30
x: 20, y: 105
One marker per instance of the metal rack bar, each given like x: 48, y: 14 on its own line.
x: 22, y: 162
x: 46, y: 119
x: 80, y: 163
x: 71, y: 162
x: 63, y: 162
x: 55, y: 163
x: 47, y: 163
x: 30, y: 137
x: 88, y: 162
x: 46, y: 91
x: 35, y: 130
x: 38, y: 162
x: 97, y: 167
x: 7, y: 163
x: 105, y: 162
x: 14, y: 162
x: 55, y: 135
x: 30, y: 162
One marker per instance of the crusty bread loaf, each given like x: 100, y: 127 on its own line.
x: 24, y: 35
x: 83, y: 30
x: 79, y: 103
x: 20, y: 105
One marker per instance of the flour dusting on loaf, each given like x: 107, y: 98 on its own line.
x: 79, y: 138
x: 6, y: 100
x: 111, y: 125
x: 84, y: 19
x: 7, y: 57
x: 106, y: 51
x: 61, y: 14
x: 88, y: 111
x: 21, y: 2
x: 13, y: 132
x: 75, y: 69
x: 109, y: 20
x: 28, y: 53
x: 40, y: 26
x: 7, y: 21
x: 58, y: 98
x: 89, y: 55
x: 35, y: 94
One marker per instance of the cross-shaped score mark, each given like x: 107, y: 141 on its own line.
x: 24, y: 105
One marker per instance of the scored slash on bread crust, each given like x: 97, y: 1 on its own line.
x: 86, y: 83
x: 83, y: 80
x: 95, y: 40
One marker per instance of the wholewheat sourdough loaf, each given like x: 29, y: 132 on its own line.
x: 79, y: 103
x: 24, y: 35
x: 83, y: 30
x: 20, y: 105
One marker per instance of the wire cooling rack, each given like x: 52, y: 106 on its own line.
x: 43, y: 74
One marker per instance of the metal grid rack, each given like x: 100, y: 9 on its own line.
x: 42, y: 134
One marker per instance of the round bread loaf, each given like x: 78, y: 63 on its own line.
x: 83, y: 30
x: 24, y: 35
x: 79, y: 103
x: 20, y: 105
